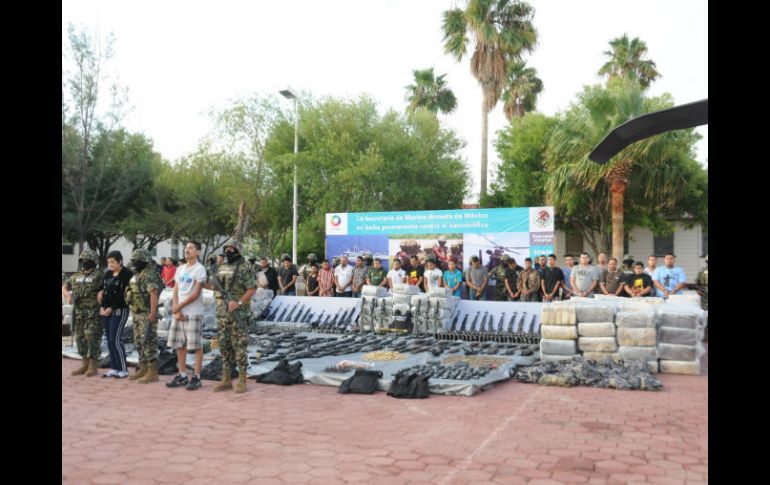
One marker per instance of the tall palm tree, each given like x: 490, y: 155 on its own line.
x: 626, y: 61
x: 430, y: 92
x: 653, y: 163
x: 521, y: 89
x: 502, y: 30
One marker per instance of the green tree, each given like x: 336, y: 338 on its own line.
x: 626, y: 61
x: 522, y: 86
x: 502, y: 30
x: 430, y: 92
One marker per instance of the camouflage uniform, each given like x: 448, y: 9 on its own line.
x: 233, y: 339
x: 499, y: 276
x: 138, y: 298
x: 703, y: 283
x: 87, y: 324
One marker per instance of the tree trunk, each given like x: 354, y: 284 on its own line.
x: 484, y: 130
x: 243, y: 221
x: 618, y: 182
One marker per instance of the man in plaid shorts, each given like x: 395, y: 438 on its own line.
x: 185, y: 331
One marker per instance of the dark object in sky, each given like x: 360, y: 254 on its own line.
x: 676, y: 118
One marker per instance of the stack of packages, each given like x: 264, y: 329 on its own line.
x: 419, y: 310
x: 596, y: 329
x: 650, y: 300
x: 559, y: 332
x: 261, y: 300
x: 636, y: 334
x: 441, y: 307
x: 369, y: 306
x: 67, y: 311
x: 209, y: 309
x: 402, y: 298
x: 383, y: 312
x: 679, y: 341
x: 687, y: 297
x: 165, y: 302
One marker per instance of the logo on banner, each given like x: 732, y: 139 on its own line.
x: 540, y: 219
x: 337, y: 224
x: 336, y: 220
x: 543, y: 219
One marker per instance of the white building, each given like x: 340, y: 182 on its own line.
x: 689, y: 245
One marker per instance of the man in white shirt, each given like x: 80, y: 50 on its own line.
x: 396, y: 275
x: 343, y: 278
x: 433, y: 276
x: 185, y: 331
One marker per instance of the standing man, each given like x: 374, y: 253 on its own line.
x: 142, y: 298
x: 312, y: 281
x: 326, y: 279
x: 287, y: 277
x: 476, y: 278
x: 271, y: 275
x: 81, y: 290
x: 652, y: 265
x: 553, y: 278
x: 512, y: 273
x: 433, y: 275
x: 669, y: 280
x: 377, y: 275
x: 453, y: 279
x: 611, y: 282
x: 529, y: 282
x: 396, y: 275
x: 417, y: 274
x: 343, y: 278
x: 583, y: 279
x: 498, y: 274
x: 187, y: 307
x: 359, y: 276
x: 237, y: 279
x: 304, y: 271
x: 640, y: 283
x: 566, y: 290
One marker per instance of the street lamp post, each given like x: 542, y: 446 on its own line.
x: 289, y: 93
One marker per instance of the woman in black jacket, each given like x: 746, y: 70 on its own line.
x: 114, y: 312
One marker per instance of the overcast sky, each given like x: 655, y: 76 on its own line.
x: 179, y: 58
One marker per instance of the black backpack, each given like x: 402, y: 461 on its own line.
x: 403, y: 322
x: 362, y: 382
x: 283, y: 374
x: 409, y: 386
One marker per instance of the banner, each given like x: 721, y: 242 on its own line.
x: 449, y: 235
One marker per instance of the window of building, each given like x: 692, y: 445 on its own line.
x: 67, y: 248
x: 704, y: 242
x: 574, y: 244
x: 175, y: 248
x: 662, y: 245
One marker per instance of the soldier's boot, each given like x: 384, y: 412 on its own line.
x: 140, y: 372
x: 225, y: 384
x: 151, y: 375
x: 240, y: 386
x: 82, y: 370
x: 93, y: 367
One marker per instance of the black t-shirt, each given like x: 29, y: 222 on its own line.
x: 512, y: 275
x: 312, y: 283
x: 285, y: 275
x: 551, y: 276
x: 272, y: 278
x: 641, y: 282
x: 115, y: 288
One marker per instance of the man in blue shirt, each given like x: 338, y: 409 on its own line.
x: 453, y: 279
x: 669, y: 280
x: 567, y: 271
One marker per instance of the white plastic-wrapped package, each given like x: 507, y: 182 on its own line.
x: 448, y: 303
x: 559, y: 332
x: 685, y: 299
x: 404, y: 289
x: 401, y: 309
x: 554, y: 358
x: 680, y: 317
x: 689, y: 367
x: 557, y: 347
x: 402, y: 299
x: 677, y: 352
x: 638, y: 353
x: 636, y: 319
x: 653, y: 367
x: 650, y: 300
x: 443, y: 313
x: 605, y: 329
x: 66, y: 309
x: 601, y: 356
x: 371, y: 290
x: 597, y: 344
x: 67, y: 320
x: 422, y: 298
x: 441, y: 292
x: 680, y: 336
x: 636, y: 337
x: 595, y: 312
x: 207, y: 297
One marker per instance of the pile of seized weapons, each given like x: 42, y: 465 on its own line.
x: 433, y: 369
x: 631, y: 375
x: 274, y: 345
x: 304, y: 319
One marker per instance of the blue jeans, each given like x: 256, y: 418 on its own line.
x: 472, y: 295
x: 291, y: 292
x: 113, y: 327
x: 356, y: 294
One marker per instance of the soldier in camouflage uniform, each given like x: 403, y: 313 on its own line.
x: 304, y: 271
x: 142, y: 298
x: 703, y: 285
x: 239, y: 280
x: 82, y: 288
x: 498, y: 274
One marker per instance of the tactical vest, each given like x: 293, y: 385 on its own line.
x: 138, y: 293
x: 231, y: 282
x: 84, y: 290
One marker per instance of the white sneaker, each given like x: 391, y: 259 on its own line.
x: 110, y: 373
x: 121, y: 374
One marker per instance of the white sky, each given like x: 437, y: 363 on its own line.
x: 179, y: 58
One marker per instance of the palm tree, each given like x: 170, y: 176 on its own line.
x: 502, y: 30
x: 430, y: 92
x: 521, y: 89
x: 574, y: 182
x: 626, y: 61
